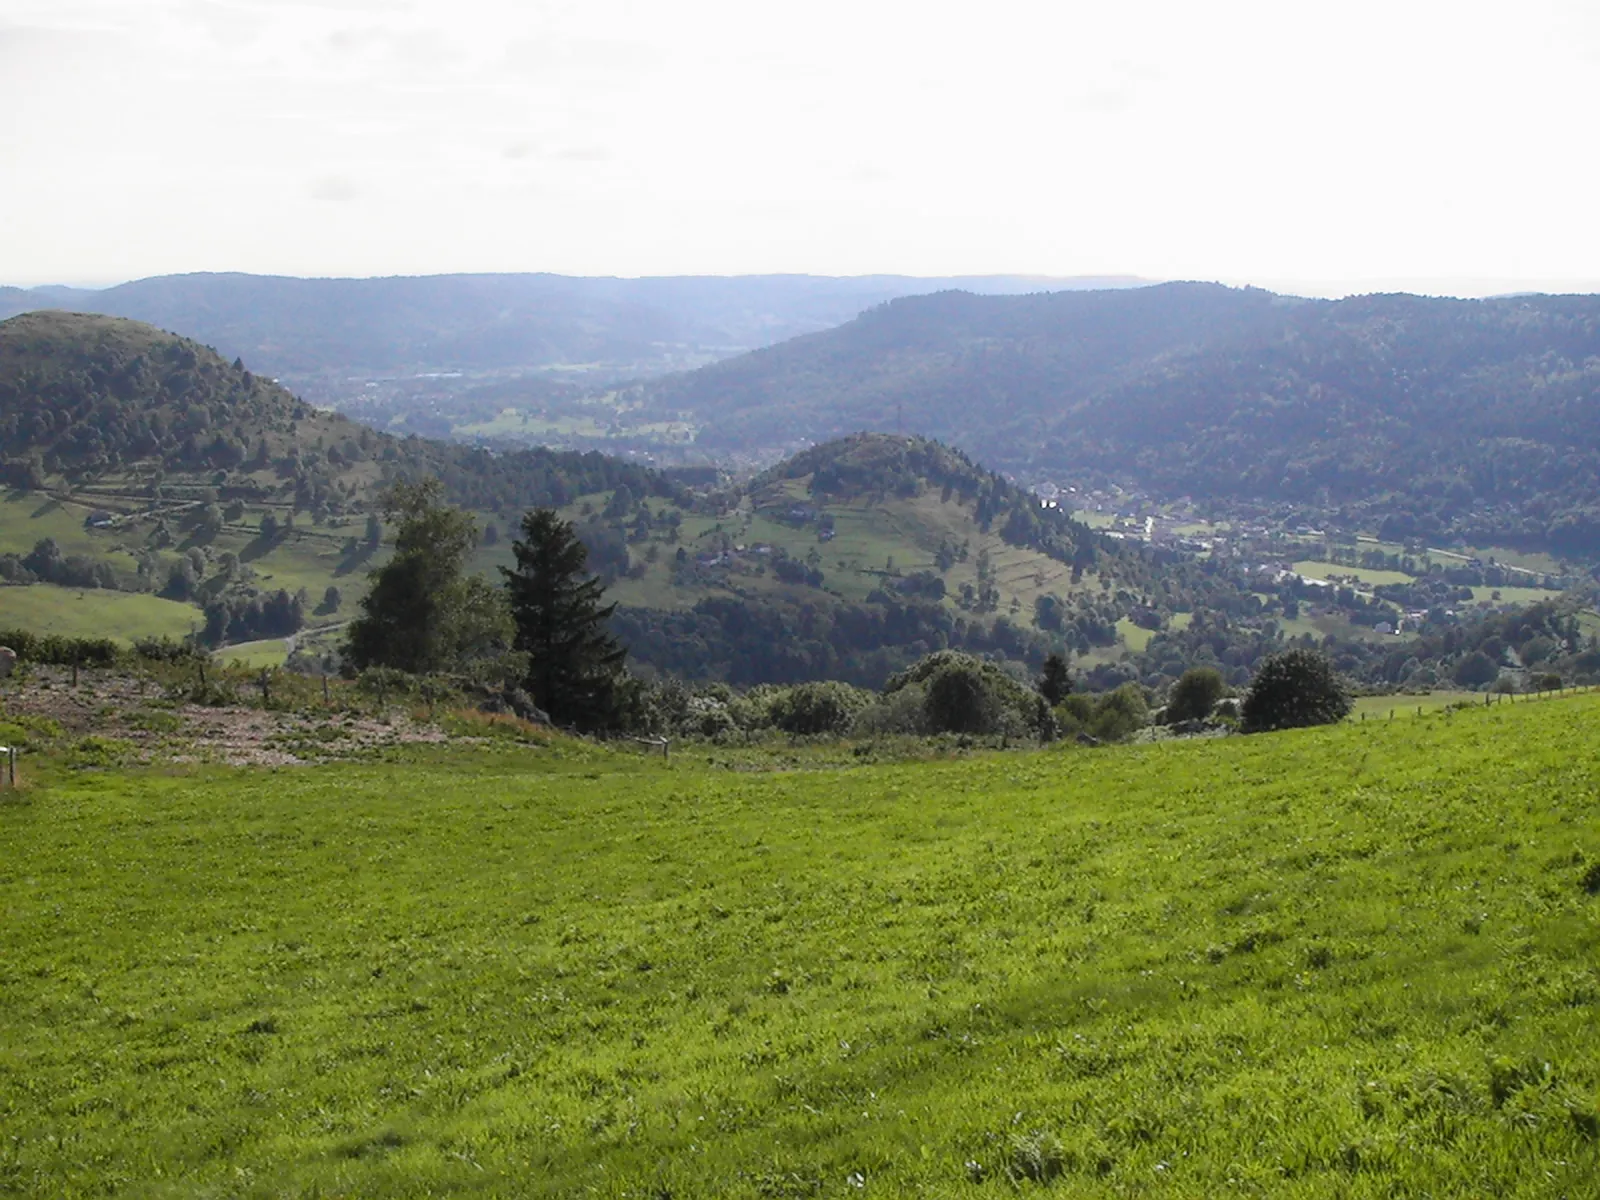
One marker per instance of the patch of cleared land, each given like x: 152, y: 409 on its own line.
x: 94, y: 612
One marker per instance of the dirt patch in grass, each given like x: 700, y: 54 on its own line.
x: 139, y: 711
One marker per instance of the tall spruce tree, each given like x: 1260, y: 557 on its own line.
x: 575, y: 665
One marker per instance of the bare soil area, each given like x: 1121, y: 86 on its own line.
x: 142, y: 714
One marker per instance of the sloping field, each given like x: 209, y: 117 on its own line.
x: 95, y: 612
x: 1359, y: 962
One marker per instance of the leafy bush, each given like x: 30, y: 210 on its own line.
x: 1476, y: 669
x: 1075, y: 712
x: 1109, y: 717
x: 1119, y: 714
x: 960, y: 700
x: 900, y: 713
x: 54, y: 650
x: 753, y: 710
x: 165, y: 649
x: 386, y: 683
x: 817, y: 708
x: 1195, y: 694
x: 714, y: 723
x: 1294, y: 689
x: 964, y: 694
x: 28, y: 732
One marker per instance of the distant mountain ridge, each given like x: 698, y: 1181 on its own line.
x: 302, y: 328
x: 1476, y: 417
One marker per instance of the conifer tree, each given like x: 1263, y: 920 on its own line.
x: 1055, y: 684
x: 574, y: 664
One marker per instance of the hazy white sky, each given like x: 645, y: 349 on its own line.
x: 1435, y: 145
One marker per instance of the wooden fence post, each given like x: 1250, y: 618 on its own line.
x: 325, y: 701
x: 266, y: 688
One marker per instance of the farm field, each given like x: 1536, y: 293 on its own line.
x: 1372, y: 577
x: 308, y: 558
x: 27, y: 517
x: 1324, y: 624
x: 94, y: 612
x: 1373, y: 708
x: 268, y: 652
x: 1349, y: 962
x: 1502, y: 596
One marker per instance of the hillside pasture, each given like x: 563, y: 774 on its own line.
x: 94, y: 613
x: 1356, y: 962
x: 875, y: 541
x: 268, y: 652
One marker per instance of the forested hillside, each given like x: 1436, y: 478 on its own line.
x: 141, y: 462
x: 1479, y: 419
x: 853, y: 560
x: 155, y: 483
x: 84, y: 397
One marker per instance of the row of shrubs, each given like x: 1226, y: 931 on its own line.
x: 952, y: 692
x: 54, y: 650
x: 946, y: 692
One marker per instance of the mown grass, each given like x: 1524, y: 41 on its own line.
x: 1350, y: 962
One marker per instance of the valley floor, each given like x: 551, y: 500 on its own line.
x: 1359, y: 961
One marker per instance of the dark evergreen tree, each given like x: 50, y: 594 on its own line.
x: 1054, y: 682
x: 574, y: 664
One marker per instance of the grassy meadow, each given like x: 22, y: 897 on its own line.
x: 95, y: 612
x: 1361, y: 961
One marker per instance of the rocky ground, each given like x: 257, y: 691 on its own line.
x: 141, y: 717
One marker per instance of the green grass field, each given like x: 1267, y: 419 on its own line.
x: 269, y: 652
x: 1357, y: 962
x: 1503, y: 596
x: 76, y: 612
x: 1374, y: 708
x: 1134, y: 637
x: 1369, y: 576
